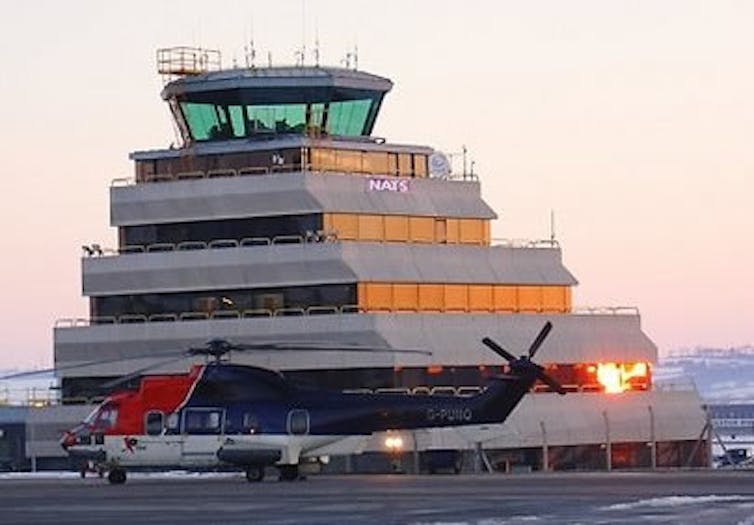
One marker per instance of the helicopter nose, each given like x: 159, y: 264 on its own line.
x: 68, y: 440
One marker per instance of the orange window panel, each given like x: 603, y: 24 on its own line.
x: 379, y: 296
x: 422, y: 229
x: 451, y: 231
x: 441, y: 231
x: 371, y: 228
x: 322, y: 159
x: 392, y: 164
x: 349, y: 161
x: 420, y: 165
x: 431, y: 297
x: 486, y: 236
x: 406, y: 297
x: 470, y: 231
x: 376, y: 162
x: 530, y: 298
x: 456, y: 297
x: 505, y: 298
x: 346, y: 225
x: 480, y: 298
x: 554, y: 299
x: 396, y: 228
x: 361, y: 296
x: 327, y: 222
x: 404, y: 164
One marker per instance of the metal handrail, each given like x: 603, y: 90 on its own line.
x: 296, y: 167
x: 256, y: 241
x: 192, y: 245
x: 224, y: 172
x: 605, y: 310
x: 133, y: 318
x: 131, y: 248
x: 526, y: 243
x: 193, y: 316
x: 225, y: 314
x: 288, y: 312
x: 223, y: 243
x: 253, y: 170
x: 288, y: 239
x: 162, y: 318
x: 322, y: 310
x: 190, y: 175
x: 161, y: 247
x: 317, y: 237
x: 350, y: 309
x: 256, y: 312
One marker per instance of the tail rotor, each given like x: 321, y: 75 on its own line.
x: 526, y: 360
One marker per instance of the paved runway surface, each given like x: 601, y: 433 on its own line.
x: 665, y: 497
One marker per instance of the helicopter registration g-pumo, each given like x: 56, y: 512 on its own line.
x: 237, y: 416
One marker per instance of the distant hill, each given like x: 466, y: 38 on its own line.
x: 721, y: 375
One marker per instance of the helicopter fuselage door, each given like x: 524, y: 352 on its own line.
x: 202, y: 430
x: 298, y: 422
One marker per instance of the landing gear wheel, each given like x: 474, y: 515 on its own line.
x: 288, y: 472
x: 117, y: 476
x: 254, y: 474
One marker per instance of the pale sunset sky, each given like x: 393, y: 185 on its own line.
x: 633, y: 120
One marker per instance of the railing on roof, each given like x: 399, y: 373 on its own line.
x: 605, y: 310
x: 175, y: 62
x: 170, y: 317
x: 526, y: 243
x: 310, y: 237
x: 32, y: 396
x: 257, y: 170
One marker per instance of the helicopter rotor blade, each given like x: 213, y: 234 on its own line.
x: 540, y: 339
x: 322, y: 347
x: 136, y: 373
x: 499, y: 350
x: 549, y: 381
x: 78, y: 365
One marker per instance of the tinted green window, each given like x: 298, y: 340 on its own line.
x: 208, y: 121
x: 201, y: 118
x: 281, y: 118
x: 348, y: 117
x: 237, y: 121
x: 316, y: 112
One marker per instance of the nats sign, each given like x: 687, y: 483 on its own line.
x: 395, y: 185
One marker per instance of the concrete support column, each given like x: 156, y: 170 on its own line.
x: 608, y: 443
x: 652, y: 438
x: 545, y: 448
x: 415, y: 452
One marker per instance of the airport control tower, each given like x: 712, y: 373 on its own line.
x: 280, y: 216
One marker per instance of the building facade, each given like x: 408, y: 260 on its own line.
x: 281, y: 217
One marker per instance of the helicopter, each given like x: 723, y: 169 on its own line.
x: 243, y: 417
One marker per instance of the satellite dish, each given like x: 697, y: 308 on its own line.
x: 439, y: 165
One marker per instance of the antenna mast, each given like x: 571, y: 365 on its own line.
x: 552, y: 226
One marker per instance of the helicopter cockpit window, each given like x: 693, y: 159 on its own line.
x: 203, y: 421
x: 103, y: 417
x: 155, y: 422
x: 173, y: 422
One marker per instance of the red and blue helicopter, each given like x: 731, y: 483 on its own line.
x: 226, y: 415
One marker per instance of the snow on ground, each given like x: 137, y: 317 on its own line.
x: 677, y: 501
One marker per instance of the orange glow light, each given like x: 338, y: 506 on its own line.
x: 615, y: 377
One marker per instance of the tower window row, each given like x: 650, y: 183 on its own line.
x: 341, y: 226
